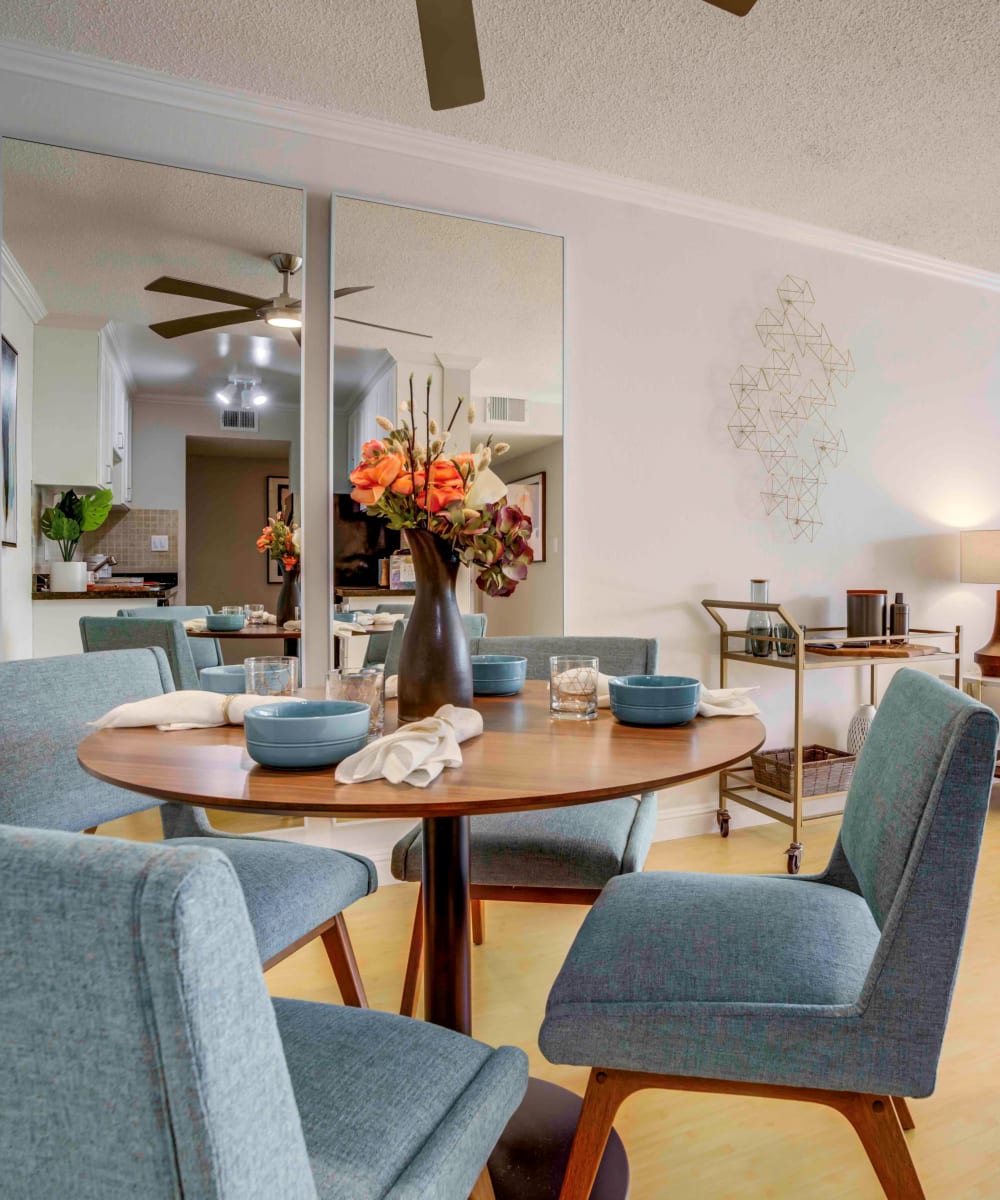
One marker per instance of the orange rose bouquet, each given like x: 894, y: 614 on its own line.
x: 281, y: 541
x: 415, y: 484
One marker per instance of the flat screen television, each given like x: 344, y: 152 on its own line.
x: 359, y: 541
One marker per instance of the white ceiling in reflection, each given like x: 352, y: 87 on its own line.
x: 90, y: 231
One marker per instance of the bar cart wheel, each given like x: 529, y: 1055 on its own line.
x: 794, y: 856
x: 722, y: 819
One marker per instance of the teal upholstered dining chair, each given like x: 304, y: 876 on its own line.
x: 118, y: 633
x: 294, y: 892
x: 475, y: 627
x: 831, y: 988
x: 142, y: 1057
x: 555, y: 856
x: 206, y: 652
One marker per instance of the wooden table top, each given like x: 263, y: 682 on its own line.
x: 523, y: 760
x: 250, y: 633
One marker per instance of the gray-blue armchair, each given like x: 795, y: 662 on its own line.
x: 206, y: 652
x: 294, y: 893
x: 832, y: 988
x: 120, y: 633
x: 555, y: 856
x: 142, y: 1058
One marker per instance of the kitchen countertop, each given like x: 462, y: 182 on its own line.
x: 373, y: 591
x: 108, y: 593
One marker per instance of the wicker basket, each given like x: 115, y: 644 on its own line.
x: 823, y: 770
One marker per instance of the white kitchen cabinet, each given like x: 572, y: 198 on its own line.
x: 81, y: 433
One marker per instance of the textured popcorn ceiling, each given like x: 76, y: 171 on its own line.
x: 878, y: 117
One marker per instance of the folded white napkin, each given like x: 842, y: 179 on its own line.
x: 726, y: 702
x: 196, y: 625
x: 292, y: 626
x: 417, y: 753
x: 186, y: 710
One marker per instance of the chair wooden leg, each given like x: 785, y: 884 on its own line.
x: 904, y: 1114
x: 484, y: 1187
x: 411, y: 980
x: 605, y: 1093
x: 875, y: 1122
x: 337, y: 943
x: 478, y: 922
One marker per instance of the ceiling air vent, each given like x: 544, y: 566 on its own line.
x: 506, y: 409
x: 240, y: 420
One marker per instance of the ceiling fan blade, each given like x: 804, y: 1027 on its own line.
x: 233, y: 316
x: 350, y: 291
x: 391, y: 328
x: 203, y: 291
x: 451, y: 53
x: 738, y: 8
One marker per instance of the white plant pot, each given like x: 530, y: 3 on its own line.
x: 68, y: 577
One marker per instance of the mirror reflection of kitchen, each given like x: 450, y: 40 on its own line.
x: 154, y: 372
x: 476, y: 309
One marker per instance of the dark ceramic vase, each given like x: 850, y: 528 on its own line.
x: 434, y: 663
x: 288, y: 597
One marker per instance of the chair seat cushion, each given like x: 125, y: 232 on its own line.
x: 394, y: 1108
x: 579, y: 847
x: 290, y: 888
x: 671, y: 972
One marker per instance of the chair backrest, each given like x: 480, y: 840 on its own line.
x: 617, y: 655
x: 910, y: 841
x: 206, y: 652
x: 394, y: 608
x: 117, y: 633
x: 140, y: 1054
x: 47, y: 703
x: 475, y: 627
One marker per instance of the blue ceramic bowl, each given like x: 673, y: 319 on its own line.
x: 230, y: 681
x: 225, y: 622
x: 654, y: 691
x: 308, y: 722
x: 675, y: 715
x: 305, y: 755
x: 498, y: 674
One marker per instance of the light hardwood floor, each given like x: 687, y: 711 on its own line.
x: 686, y: 1147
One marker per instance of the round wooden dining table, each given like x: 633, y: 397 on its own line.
x: 256, y: 633
x: 524, y: 760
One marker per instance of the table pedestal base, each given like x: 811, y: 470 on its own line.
x: 530, y: 1159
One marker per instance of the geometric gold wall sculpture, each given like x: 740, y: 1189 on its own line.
x: 785, y: 407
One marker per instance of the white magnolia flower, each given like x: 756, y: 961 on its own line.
x: 487, y: 488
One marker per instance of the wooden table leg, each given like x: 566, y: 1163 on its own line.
x: 530, y: 1158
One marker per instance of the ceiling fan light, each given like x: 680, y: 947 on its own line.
x: 283, y: 318
x: 260, y: 398
x: 225, y: 395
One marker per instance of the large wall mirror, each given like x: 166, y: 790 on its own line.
x: 477, y: 309
x: 183, y: 399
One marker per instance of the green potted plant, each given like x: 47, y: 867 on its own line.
x: 65, y: 523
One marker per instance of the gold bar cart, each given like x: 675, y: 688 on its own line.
x: 737, y: 784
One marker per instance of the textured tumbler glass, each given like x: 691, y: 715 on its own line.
x: 367, y: 686
x: 573, y: 687
x: 272, y: 675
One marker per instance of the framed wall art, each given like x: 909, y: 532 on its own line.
x: 528, y: 494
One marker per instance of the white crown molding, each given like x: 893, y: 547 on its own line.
x: 137, y: 83
x: 458, y: 362
x: 14, y: 277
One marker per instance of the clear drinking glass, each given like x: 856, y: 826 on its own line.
x: 254, y: 613
x: 759, y: 622
x: 231, y: 610
x: 573, y: 687
x: 272, y: 675
x: 786, y: 647
x: 364, y: 684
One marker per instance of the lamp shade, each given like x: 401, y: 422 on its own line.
x: 981, y: 556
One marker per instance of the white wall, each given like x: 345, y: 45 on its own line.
x: 160, y: 429
x: 661, y: 292
x: 16, y: 564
